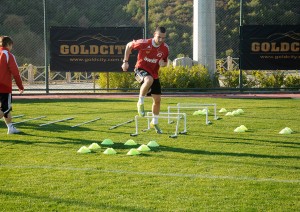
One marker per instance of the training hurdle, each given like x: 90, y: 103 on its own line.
x: 195, y: 106
x: 40, y: 117
x: 121, y: 124
x: 52, y: 122
x: 86, y: 122
x: 149, y: 116
x: 17, y: 116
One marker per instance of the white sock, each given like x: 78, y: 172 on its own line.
x: 155, y: 119
x: 141, y: 100
x: 9, y: 125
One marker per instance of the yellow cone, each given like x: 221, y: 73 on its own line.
x: 240, y: 111
x: 243, y: 127
x: 223, y: 110
x: 133, y: 152
x: 153, y: 144
x: 110, y: 151
x: 84, y: 150
x: 285, y: 131
x: 130, y: 142
x: 107, y: 141
x: 239, y: 129
x: 229, y: 114
x: 235, y: 113
x: 94, y: 146
x: 289, y: 129
x: 144, y: 148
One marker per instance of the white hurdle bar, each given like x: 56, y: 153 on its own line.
x: 166, y: 113
x: 206, y: 114
x: 52, y: 122
x: 40, y: 117
x: 200, y: 104
x: 162, y: 117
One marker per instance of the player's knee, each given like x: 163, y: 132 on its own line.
x: 148, y: 80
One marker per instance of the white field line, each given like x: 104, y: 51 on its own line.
x: 201, y: 176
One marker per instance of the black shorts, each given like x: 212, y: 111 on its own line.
x: 5, y: 100
x: 155, y: 87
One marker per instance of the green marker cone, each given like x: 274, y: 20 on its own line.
x: 152, y: 144
x: 133, y: 152
x: 130, y: 142
x: 107, y: 141
x: 144, y: 148
x: 84, y: 150
x: 94, y: 146
x: 110, y: 151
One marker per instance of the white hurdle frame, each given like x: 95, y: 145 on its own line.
x: 166, y: 113
x: 196, y: 106
x: 206, y: 114
x: 162, y: 117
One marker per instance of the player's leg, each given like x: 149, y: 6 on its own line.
x: 6, y: 108
x: 156, y: 96
x: 146, y: 81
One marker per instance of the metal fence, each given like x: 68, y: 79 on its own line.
x: 28, y: 22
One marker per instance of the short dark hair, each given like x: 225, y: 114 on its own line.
x: 160, y: 29
x: 5, y: 41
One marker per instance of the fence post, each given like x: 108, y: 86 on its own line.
x: 68, y: 77
x: 229, y: 63
x: 30, y: 74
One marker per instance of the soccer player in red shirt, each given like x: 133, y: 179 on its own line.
x: 8, y: 68
x: 152, y: 54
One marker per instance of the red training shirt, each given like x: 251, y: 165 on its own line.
x: 149, y: 55
x: 8, y: 68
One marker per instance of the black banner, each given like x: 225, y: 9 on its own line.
x: 271, y: 47
x: 102, y: 49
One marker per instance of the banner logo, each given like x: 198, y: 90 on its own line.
x: 270, y: 47
x: 91, y: 49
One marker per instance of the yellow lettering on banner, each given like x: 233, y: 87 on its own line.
x: 64, y: 49
x: 103, y: 49
x: 255, y: 47
x: 275, y: 47
x: 295, y: 47
x: 92, y: 49
x: 284, y: 47
x: 74, y: 49
x: 83, y: 50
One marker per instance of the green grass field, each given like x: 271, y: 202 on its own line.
x: 211, y: 168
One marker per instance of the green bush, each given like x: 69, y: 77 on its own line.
x: 231, y: 79
x: 170, y: 77
x: 184, y: 77
x: 117, y: 80
x: 291, y: 81
x: 259, y: 79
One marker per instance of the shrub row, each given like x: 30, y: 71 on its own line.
x: 198, y: 77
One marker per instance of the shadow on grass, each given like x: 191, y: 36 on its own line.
x: 39, y: 101
x: 75, y: 202
x: 230, y: 154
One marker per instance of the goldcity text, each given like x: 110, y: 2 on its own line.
x: 92, y: 49
x: 275, y: 47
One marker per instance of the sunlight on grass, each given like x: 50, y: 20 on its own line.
x: 212, y: 168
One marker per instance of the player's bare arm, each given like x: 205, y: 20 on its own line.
x: 125, y: 64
